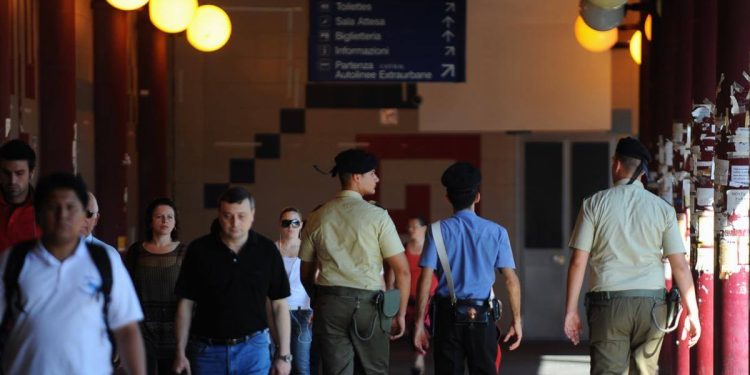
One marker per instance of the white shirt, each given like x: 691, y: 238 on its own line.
x: 298, y: 298
x: 627, y: 230
x: 62, y: 330
x: 93, y: 240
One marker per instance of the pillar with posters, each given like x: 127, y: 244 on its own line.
x: 731, y: 225
x: 702, y: 229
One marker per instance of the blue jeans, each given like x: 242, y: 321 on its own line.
x: 249, y: 357
x: 301, y: 341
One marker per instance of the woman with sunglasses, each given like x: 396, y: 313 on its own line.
x: 299, y: 302
x: 154, y: 265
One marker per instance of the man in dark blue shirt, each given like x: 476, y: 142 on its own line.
x: 475, y: 247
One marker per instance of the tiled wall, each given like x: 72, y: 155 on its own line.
x: 240, y: 120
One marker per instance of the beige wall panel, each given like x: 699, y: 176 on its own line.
x: 262, y: 3
x: 226, y: 96
x: 358, y: 121
x: 625, y: 85
x: 228, y: 69
x: 524, y: 71
x: 498, y: 180
x: 258, y: 46
x: 396, y: 174
x: 189, y: 125
x: 194, y: 220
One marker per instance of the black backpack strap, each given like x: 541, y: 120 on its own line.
x: 13, y: 267
x: 103, y: 264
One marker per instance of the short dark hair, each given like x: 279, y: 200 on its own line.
x: 462, y: 199
x: 631, y: 164
x: 290, y: 209
x: 148, y: 218
x: 419, y: 218
x: 237, y: 194
x: 344, y: 178
x: 17, y: 149
x: 59, y: 181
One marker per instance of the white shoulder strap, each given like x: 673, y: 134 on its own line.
x: 437, y: 236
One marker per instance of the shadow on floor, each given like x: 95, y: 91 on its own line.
x: 532, y: 358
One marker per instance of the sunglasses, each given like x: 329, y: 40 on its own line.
x: 291, y: 223
x: 90, y: 214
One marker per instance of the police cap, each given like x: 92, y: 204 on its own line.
x: 461, y: 177
x: 633, y: 148
x: 354, y: 161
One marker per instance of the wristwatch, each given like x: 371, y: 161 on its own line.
x: 286, y: 358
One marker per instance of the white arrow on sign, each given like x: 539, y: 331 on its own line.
x: 448, y: 21
x: 450, y: 51
x: 448, y: 69
x: 450, y: 6
x: 448, y: 35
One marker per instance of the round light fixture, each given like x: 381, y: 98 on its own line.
x: 609, y: 4
x: 172, y: 16
x: 647, y: 27
x: 601, y: 19
x: 594, y: 40
x: 635, y: 46
x: 127, y: 4
x: 210, y: 28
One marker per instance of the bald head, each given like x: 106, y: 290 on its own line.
x: 92, y: 216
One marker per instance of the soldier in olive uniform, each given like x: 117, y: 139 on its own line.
x: 349, y: 241
x: 626, y: 230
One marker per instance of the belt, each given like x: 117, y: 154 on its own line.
x: 467, y: 301
x: 342, y: 291
x: 631, y: 293
x: 299, y: 308
x: 228, y: 342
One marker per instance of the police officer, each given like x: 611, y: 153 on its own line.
x: 349, y: 240
x: 626, y: 231
x: 475, y: 247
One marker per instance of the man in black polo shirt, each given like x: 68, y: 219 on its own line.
x: 227, y: 275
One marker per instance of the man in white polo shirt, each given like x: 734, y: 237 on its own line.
x: 57, y: 307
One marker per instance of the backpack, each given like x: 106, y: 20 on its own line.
x: 14, y: 265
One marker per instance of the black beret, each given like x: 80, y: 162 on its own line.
x: 461, y: 177
x: 633, y: 148
x: 354, y: 161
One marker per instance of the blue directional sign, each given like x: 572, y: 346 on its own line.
x: 387, y: 40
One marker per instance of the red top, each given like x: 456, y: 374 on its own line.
x: 415, y: 271
x: 17, y: 223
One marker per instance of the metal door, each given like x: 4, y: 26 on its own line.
x: 556, y: 173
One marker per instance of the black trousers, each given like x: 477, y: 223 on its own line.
x: 459, y: 345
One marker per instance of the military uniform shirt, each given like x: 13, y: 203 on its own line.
x: 625, y: 229
x: 350, y: 238
x: 475, y: 247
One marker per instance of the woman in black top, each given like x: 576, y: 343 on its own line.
x: 154, y: 265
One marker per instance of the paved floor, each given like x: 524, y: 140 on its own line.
x: 540, y: 358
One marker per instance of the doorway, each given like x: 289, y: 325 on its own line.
x: 556, y: 173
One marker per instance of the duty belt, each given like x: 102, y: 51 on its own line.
x: 630, y: 293
x: 346, y: 292
x: 469, y: 301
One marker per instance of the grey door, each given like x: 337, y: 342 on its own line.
x: 556, y: 175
